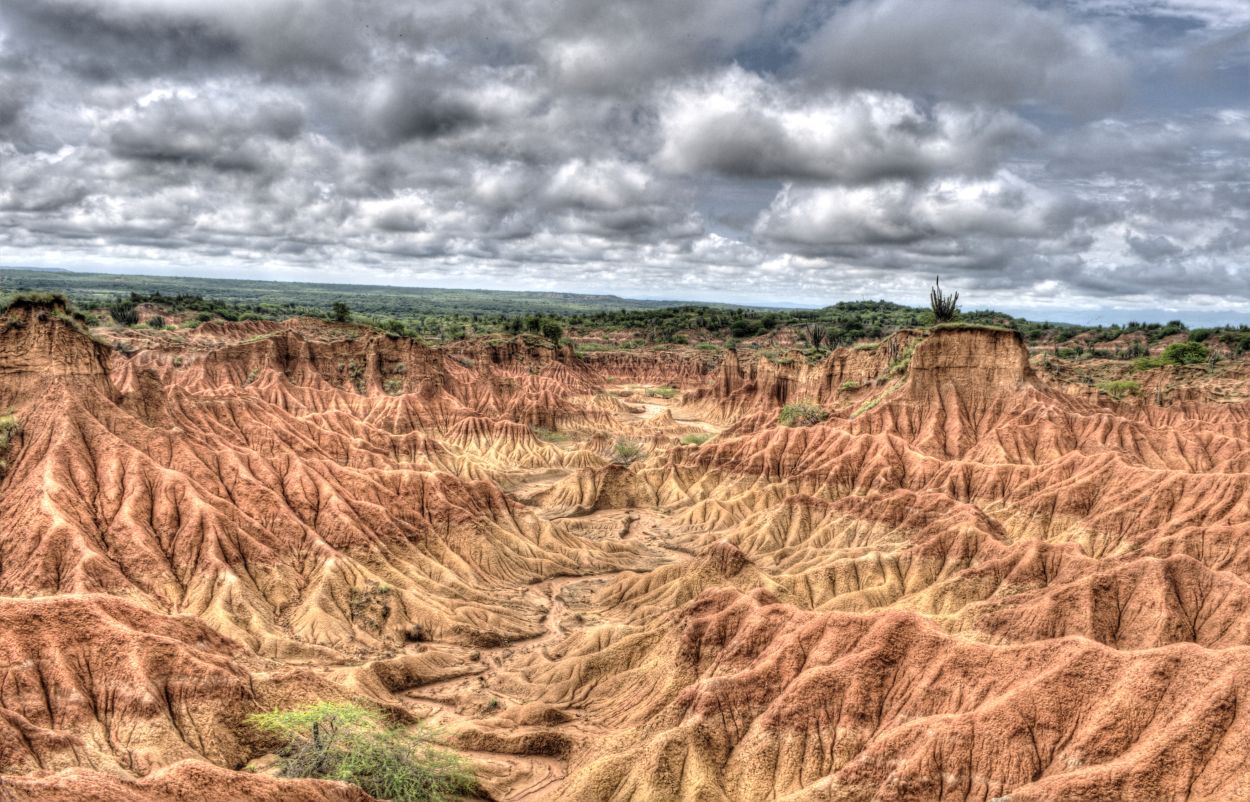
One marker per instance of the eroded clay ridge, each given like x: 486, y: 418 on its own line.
x: 970, y: 581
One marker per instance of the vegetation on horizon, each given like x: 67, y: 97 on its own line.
x: 590, y: 323
x: 347, y: 742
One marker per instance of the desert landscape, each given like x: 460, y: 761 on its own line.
x: 587, y: 401
x: 942, y: 564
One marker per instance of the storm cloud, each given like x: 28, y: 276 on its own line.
x: 1040, y: 154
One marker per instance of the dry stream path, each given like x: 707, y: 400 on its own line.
x: 490, y: 689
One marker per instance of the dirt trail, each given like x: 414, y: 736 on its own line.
x: 651, y: 409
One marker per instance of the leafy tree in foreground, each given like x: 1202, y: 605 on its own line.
x: 339, y: 741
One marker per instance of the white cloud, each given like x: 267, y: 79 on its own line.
x: 1003, y: 206
x: 737, y: 123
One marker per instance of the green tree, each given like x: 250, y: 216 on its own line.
x: 340, y: 312
x: 552, y: 331
x: 1186, y: 353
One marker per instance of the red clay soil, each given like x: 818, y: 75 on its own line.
x: 973, y: 580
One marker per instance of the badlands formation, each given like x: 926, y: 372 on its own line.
x: 976, y: 579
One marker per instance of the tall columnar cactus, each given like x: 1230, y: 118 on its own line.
x: 944, y: 306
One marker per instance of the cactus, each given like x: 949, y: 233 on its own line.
x: 944, y: 306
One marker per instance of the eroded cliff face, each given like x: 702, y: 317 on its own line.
x: 43, y: 349
x: 969, y: 581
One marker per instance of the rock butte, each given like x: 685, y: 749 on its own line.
x: 973, y: 581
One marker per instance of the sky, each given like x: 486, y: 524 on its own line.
x: 1078, y: 159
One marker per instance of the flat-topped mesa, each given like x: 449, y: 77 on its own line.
x: 41, y: 342
x: 978, y: 360
x: 962, y: 382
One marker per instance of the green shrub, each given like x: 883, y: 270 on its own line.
x: 1120, y: 389
x: 801, y: 414
x: 1186, y: 353
x: 123, y: 313
x: 393, y: 386
x: 340, y: 741
x: 9, y: 427
x: 661, y: 392
x: 695, y: 439
x: 340, y: 312
x: 551, y: 436
x: 1148, y: 362
x: 626, y: 452
x: 867, y: 406
x: 746, y: 327
x: 849, y: 386
x: 156, y: 322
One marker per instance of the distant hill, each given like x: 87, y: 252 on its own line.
x: 388, y: 301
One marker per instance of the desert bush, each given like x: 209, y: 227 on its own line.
x: 393, y: 386
x: 1121, y: 388
x: 746, y: 327
x: 801, y: 414
x: 695, y: 439
x: 626, y: 452
x: 1186, y: 353
x: 9, y: 427
x: 123, y: 313
x: 341, y: 741
x: 661, y: 392
x: 849, y: 386
x: 550, y: 435
x: 156, y: 322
